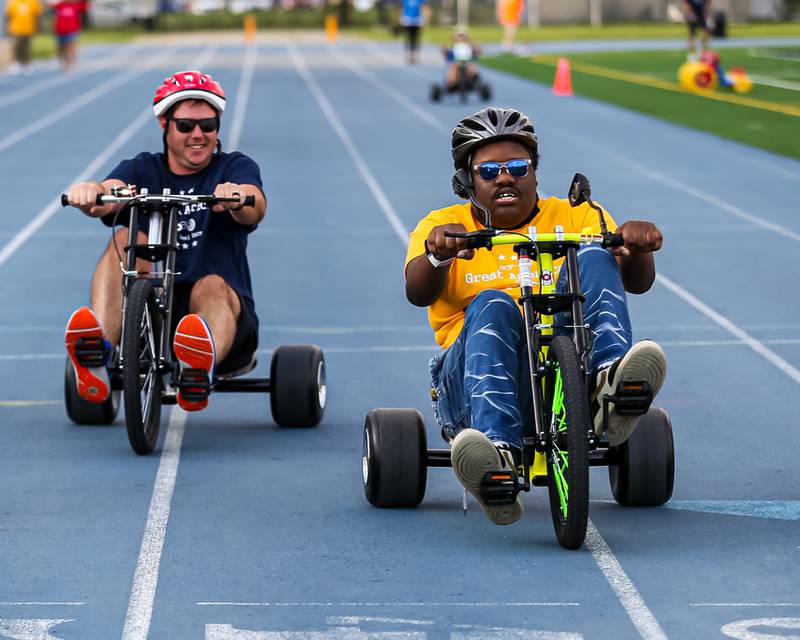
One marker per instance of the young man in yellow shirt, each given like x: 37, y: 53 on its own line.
x: 21, y: 18
x: 482, y: 388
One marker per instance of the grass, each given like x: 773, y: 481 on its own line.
x: 759, y: 127
x: 628, y: 31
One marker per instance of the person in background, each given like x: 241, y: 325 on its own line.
x: 696, y: 12
x: 67, y: 27
x: 413, y: 14
x: 509, y: 14
x: 21, y: 24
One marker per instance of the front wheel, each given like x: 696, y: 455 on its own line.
x: 395, y: 458
x: 141, y: 379
x: 644, y: 469
x: 298, y: 391
x: 567, y: 410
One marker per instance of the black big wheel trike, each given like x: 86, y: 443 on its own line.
x: 144, y: 367
x: 562, y: 443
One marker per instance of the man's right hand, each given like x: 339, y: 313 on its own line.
x: 84, y: 196
x: 444, y: 248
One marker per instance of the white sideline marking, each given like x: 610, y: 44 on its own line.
x: 744, y: 604
x: 388, y: 604
x: 33, y: 629
x: 54, y: 81
x: 81, y: 101
x: 343, y: 620
x: 742, y: 629
x: 229, y: 632
x: 731, y: 328
x: 242, y: 96
x: 38, y: 603
x: 329, y: 112
x: 145, y: 578
x: 29, y: 403
x: 45, y: 214
x: 776, y: 82
x: 636, y: 608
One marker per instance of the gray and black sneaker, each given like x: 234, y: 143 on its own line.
x: 473, y: 454
x: 644, y: 362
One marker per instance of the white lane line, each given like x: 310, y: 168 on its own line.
x: 29, y: 403
x: 756, y: 345
x: 242, y: 96
x: 387, y: 604
x: 38, y: 603
x: 744, y: 604
x: 48, y: 83
x: 81, y: 101
x: 329, y: 112
x: 145, y: 579
x: 89, y: 172
x: 635, y: 606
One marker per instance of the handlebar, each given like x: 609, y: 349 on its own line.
x: 171, y: 199
x: 487, y: 238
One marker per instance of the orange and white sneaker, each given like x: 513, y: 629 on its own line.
x: 194, y: 348
x: 87, y: 349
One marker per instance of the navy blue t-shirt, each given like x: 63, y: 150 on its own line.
x: 698, y: 7
x: 208, y: 242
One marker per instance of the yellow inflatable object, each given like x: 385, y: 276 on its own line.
x: 741, y: 81
x: 698, y: 77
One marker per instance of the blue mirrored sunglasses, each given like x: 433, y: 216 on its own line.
x: 490, y: 170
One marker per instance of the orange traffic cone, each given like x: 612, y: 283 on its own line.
x: 562, y: 86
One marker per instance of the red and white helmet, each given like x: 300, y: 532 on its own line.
x: 188, y: 85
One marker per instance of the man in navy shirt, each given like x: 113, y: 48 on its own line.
x: 217, y: 327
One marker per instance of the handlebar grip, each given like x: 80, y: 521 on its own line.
x: 64, y: 200
x: 249, y: 201
x: 473, y: 242
x: 613, y: 240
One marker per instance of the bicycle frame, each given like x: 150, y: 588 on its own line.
x: 161, y: 252
x: 539, y: 312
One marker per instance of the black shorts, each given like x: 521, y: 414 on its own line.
x: 245, y: 342
x: 412, y: 38
x: 697, y: 22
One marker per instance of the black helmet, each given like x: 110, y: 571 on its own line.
x: 492, y: 124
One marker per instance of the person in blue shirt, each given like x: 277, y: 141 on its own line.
x: 217, y: 327
x: 696, y: 12
x: 413, y: 14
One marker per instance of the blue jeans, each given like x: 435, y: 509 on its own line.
x: 481, y: 380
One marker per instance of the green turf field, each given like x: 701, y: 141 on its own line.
x: 627, y: 31
x: 768, y: 117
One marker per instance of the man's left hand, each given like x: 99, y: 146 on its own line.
x: 229, y: 190
x: 639, y: 236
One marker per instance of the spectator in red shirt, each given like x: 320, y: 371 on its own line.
x: 67, y: 27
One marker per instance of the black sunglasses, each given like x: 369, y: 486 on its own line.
x: 187, y: 125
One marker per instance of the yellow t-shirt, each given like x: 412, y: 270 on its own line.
x: 22, y: 15
x: 495, y: 269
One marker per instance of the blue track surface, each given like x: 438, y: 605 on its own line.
x: 266, y: 534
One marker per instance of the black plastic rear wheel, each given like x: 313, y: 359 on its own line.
x: 141, y: 380
x: 395, y: 458
x: 82, y: 412
x: 567, y: 413
x: 298, y: 391
x: 436, y: 93
x: 486, y: 92
x: 644, y: 472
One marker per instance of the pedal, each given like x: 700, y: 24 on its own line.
x: 90, y: 352
x: 632, y: 398
x: 499, y: 488
x: 194, y: 384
